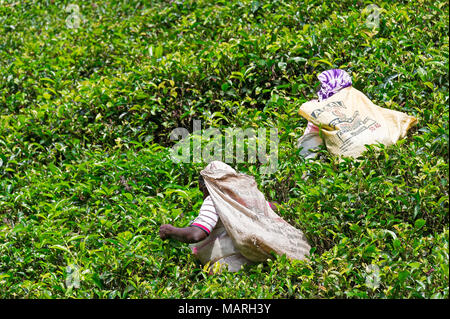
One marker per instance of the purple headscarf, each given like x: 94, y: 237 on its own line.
x: 332, y: 82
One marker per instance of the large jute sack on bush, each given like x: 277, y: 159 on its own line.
x: 349, y: 120
x: 252, y: 229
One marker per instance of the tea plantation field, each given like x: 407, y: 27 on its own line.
x: 91, y: 90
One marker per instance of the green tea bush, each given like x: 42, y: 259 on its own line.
x: 89, y: 96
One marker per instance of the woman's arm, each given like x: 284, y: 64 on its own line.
x: 186, y: 235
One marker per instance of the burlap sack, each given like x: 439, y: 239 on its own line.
x: 349, y: 120
x: 253, y: 228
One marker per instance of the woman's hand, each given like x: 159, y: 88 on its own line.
x: 165, y: 231
x: 185, y: 235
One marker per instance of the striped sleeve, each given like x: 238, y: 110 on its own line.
x: 207, y: 217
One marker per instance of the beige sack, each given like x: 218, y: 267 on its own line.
x: 349, y: 120
x: 252, y: 226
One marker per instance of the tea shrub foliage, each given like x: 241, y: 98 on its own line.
x: 90, y: 94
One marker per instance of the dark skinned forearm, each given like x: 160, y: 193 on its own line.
x: 187, y: 235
